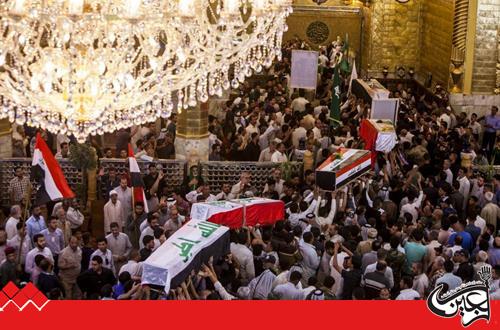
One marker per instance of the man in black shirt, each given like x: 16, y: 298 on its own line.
x: 165, y: 148
x: 47, y: 280
x: 376, y: 281
x: 171, y: 127
x: 465, y: 270
x: 109, y: 181
x: 149, y: 180
x: 93, y: 279
x: 351, y: 273
x: 147, y: 250
x: 252, y: 150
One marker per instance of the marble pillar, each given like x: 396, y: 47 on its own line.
x: 5, y: 139
x: 191, y: 140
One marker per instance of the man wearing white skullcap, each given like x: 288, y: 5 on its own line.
x: 113, y: 212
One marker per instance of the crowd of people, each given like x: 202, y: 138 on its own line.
x: 425, y: 215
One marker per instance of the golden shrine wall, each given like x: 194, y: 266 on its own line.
x: 436, y: 36
x: 486, y: 49
x: 391, y: 36
x: 320, y: 25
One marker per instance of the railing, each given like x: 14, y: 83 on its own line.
x: 217, y: 173
x: 214, y: 173
x: 175, y: 170
x: 8, y: 166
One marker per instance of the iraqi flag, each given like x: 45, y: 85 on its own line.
x: 136, y: 180
x: 47, y: 173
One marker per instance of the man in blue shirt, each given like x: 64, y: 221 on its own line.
x: 451, y: 280
x: 467, y: 240
x: 491, y: 126
x: 35, y: 223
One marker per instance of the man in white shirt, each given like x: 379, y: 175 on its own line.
x: 267, y: 153
x: 299, y: 104
x: 300, y: 133
x: 310, y: 261
x: 317, y: 129
x: 240, y: 187
x: 279, y: 155
x: 252, y: 126
x: 413, y: 205
x: 203, y: 191
x: 244, y: 256
x: 474, y: 125
x: 290, y: 289
x: 124, y: 193
x: 40, y: 248
x: 268, y: 135
x: 447, y: 170
x: 323, y: 59
x: 119, y: 245
x: 295, y: 214
x: 174, y: 223
x: 464, y: 182
x: 490, y: 212
x: 105, y: 253
x: 10, y: 225
x: 113, y: 212
x: 445, y: 117
x: 133, y: 266
x: 212, y: 139
x: 328, y: 220
x: 74, y: 216
x: 261, y: 286
x: 20, y: 239
x: 407, y: 293
x: 420, y: 280
x: 318, y: 109
x: 405, y: 136
x: 224, y: 194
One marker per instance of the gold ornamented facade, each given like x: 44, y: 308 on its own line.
x: 430, y: 36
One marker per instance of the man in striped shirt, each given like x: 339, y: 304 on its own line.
x: 376, y: 281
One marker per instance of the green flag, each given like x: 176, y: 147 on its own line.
x: 335, y: 106
x: 344, y: 64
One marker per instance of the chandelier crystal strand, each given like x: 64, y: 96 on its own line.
x: 86, y: 67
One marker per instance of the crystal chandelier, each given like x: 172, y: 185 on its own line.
x: 94, y: 66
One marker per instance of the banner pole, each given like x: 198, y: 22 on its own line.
x: 26, y: 208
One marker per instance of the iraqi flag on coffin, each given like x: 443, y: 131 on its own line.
x: 47, y: 174
x: 239, y: 212
x: 262, y: 211
x: 136, y: 180
x: 227, y: 213
x: 342, y: 167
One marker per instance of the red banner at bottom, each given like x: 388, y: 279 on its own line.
x: 401, y: 315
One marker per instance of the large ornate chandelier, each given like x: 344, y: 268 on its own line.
x: 93, y: 66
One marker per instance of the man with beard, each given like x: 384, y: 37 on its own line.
x: 133, y: 224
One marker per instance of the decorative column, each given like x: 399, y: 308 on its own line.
x: 92, y: 178
x: 191, y: 140
x: 5, y: 139
x: 459, y: 43
x: 497, y: 89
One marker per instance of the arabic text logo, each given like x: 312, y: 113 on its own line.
x: 470, y: 300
